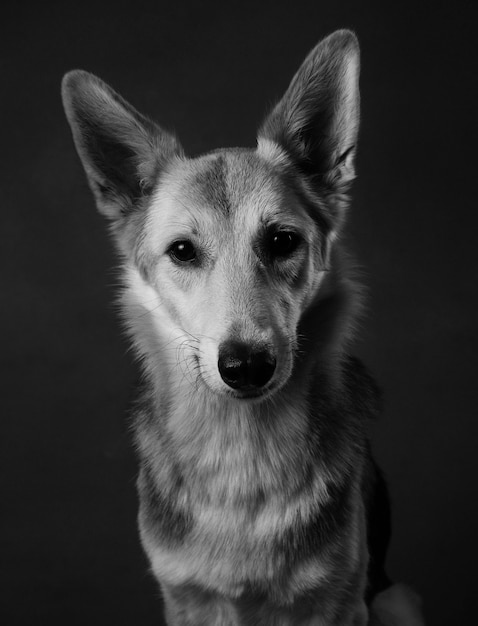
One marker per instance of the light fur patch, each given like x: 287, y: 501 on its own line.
x: 398, y: 605
x: 270, y: 151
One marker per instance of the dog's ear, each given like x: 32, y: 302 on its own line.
x: 121, y: 150
x: 316, y: 122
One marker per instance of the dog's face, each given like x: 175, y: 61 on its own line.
x: 234, y: 257
x: 226, y: 251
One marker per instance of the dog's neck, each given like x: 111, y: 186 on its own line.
x: 230, y: 447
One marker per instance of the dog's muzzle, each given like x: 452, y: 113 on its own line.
x: 243, y: 367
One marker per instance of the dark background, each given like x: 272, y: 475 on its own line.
x: 69, y: 550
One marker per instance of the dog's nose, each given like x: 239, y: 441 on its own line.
x: 243, y: 367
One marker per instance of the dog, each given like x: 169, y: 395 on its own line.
x: 259, y: 500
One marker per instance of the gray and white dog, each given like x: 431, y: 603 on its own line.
x: 260, y: 503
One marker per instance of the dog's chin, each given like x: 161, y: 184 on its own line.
x: 252, y: 395
x: 247, y: 395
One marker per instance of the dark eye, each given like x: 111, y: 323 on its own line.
x: 283, y: 243
x: 183, y: 251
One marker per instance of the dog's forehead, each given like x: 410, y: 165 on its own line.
x: 225, y: 179
x: 228, y: 191
x: 226, y: 182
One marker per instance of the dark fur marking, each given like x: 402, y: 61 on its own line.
x: 366, y: 400
x: 365, y: 394
x: 167, y: 520
x: 213, y: 185
x: 304, y: 539
x: 292, y: 178
x: 339, y: 435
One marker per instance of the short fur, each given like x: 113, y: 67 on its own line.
x: 259, y: 500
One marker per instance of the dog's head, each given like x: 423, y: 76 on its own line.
x: 225, y: 253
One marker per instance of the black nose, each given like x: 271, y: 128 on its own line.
x: 243, y: 367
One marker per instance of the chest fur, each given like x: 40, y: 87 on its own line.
x: 237, y: 499
x: 280, y: 548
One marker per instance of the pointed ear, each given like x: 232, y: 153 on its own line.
x: 317, y: 120
x: 121, y: 150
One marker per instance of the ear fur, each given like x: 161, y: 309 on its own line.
x: 316, y: 122
x: 121, y: 150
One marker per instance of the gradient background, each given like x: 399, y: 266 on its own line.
x: 69, y: 550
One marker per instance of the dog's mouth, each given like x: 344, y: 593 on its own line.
x: 250, y: 393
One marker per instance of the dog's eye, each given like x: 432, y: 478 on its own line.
x: 283, y: 243
x: 183, y: 251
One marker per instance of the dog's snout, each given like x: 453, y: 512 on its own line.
x: 244, y: 367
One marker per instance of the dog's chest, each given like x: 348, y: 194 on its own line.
x: 231, y: 549
x: 248, y: 492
